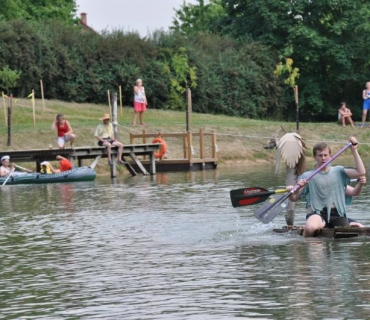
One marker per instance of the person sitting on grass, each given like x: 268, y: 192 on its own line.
x: 345, y: 115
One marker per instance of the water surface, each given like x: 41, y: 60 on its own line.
x: 171, y: 247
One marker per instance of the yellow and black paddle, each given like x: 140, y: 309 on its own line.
x: 249, y: 196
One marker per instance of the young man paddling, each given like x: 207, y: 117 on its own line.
x: 326, y: 189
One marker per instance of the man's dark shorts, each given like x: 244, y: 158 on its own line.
x: 335, y: 219
x: 100, y: 143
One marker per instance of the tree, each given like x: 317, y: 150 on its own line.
x: 9, y: 78
x: 201, y: 17
x: 327, y: 39
x: 38, y: 10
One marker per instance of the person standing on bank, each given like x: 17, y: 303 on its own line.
x: 105, y: 135
x: 65, y: 131
x: 345, y: 115
x: 326, y: 188
x: 366, y: 104
x: 140, y: 102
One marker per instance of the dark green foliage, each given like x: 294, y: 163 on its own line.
x: 234, y: 78
x: 326, y: 39
x: 38, y: 10
x: 226, y: 76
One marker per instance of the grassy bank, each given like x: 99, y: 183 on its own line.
x: 238, y: 139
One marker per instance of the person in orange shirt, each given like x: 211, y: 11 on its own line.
x: 64, y: 165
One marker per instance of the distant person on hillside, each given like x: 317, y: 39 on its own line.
x: 105, y: 135
x: 65, y: 131
x: 345, y: 115
x: 366, y: 104
x: 140, y: 102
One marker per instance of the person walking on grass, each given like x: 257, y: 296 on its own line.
x: 345, y: 115
x: 105, y: 135
x: 64, y: 130
x: 140, y: 102
x: 366, y: 104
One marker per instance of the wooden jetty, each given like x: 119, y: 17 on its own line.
x: 189, y: 159
x: 91, y: 152
x: 138, y: 157
x: 331, y: 233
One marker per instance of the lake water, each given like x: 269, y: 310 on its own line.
x: 171, y: 247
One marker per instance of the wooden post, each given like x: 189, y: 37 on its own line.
x: 144, y: 140
x: 214, y: 145
x: 120, y: 99
x: 188, y: 110
x: 5, y: 113
x: 114, y: 115
x: 185, y: 145
x: 42, y: 95
x: 33, y: 108
x: 132, y: 138
x: 110, y: 106
x: 297, y: 106
x: 10, y: 120
x: 201, y: 143
x: 190, y: 146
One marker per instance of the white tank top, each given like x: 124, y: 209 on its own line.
x: 140, y: 95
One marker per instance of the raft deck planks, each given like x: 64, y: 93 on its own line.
x: 335, y: 233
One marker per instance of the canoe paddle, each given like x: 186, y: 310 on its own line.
x: 248, y: 196
x: 269, y: 211
x: 8, y: 177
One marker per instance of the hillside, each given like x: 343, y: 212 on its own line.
x: 238, y: 139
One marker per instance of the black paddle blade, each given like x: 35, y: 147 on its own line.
x: 237, y: 195
x: 272, y: 207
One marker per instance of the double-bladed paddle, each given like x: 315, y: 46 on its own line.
x: 271, y: 209
x: 248, y: 196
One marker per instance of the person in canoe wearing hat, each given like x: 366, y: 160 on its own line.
x: 6, y: 169
x: 105, y: 135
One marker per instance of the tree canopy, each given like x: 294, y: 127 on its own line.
x: 38, y: 10
x: 325, y: 38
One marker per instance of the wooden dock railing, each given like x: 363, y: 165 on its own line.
x: 183, y: 147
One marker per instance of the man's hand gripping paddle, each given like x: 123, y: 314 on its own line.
x: 275, y: 205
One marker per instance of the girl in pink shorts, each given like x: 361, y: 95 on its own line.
x: 140, y: 102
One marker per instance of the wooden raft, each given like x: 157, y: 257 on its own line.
x: 331, y: 233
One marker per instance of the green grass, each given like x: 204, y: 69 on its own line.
x: 237, y: 138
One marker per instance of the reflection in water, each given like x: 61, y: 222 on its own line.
x: 170, y: 247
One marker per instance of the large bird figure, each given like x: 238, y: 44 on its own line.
x: 291, y: 148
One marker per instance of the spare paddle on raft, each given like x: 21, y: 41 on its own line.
x: 248, y: 196
x: 269, y: 211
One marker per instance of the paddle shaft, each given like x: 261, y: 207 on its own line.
x: 270, y: 213
x: 7, y: 178
x: 25, y: 169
